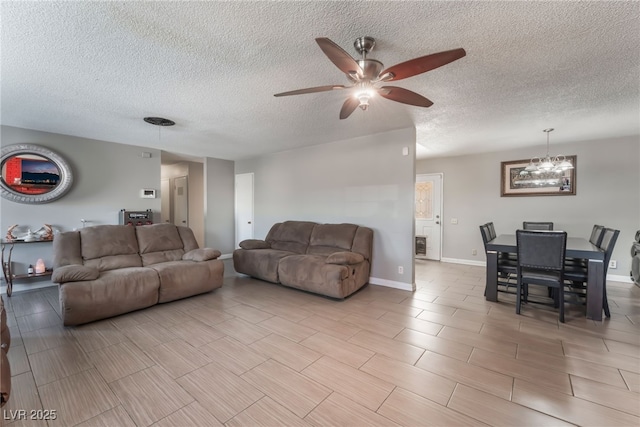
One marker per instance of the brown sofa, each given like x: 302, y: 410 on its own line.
x: 5, y: 343
x: 328, y: 259
x: 108, y: 270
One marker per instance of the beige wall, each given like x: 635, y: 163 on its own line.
x: 366, y: 181
x: 608, y: 193
x: 107, y: 177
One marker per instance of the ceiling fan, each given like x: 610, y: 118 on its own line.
x: 366, y: 75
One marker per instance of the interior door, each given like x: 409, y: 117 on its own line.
x: 181, y: 201
x: 165, y: 201
x: 244, y: 207
x: 428, y: 214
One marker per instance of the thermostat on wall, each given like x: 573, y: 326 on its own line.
x: 148, y: 193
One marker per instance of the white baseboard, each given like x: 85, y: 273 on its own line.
x: 225, y: 256
x: 611, y: 277
x: 392, y: 284
x: 617, y: 278
x: 464, y: 261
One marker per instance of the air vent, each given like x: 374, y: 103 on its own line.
x: 159, y: 121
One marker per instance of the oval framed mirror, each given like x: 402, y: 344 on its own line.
x: 33, y: 174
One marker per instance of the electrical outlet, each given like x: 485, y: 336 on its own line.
x: 454, y: 221
x: 400, y: 269
x: 474, y: 252
x: 613, y: 264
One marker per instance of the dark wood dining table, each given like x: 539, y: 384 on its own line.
x: 577, y: 247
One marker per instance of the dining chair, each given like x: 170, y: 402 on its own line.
x: 596, y: 234
x: 506, y: 266
x: 578, y: 274
x: 595, y: 239
x: 541, y: 262
x: 532, y: 225
x: 492, y: 230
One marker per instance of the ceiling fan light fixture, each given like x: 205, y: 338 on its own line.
x: 547, y: 170
x: 367, y: 72
x: 563, y: 163
x: 364, y: 93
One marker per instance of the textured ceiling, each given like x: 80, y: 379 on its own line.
x: 95, y: 69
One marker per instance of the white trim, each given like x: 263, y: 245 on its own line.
x: 392, y: 284
x: 464, y: 261
x: 617, y: 278
x: 225, y: 256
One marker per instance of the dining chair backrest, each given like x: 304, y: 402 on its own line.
x: 541, y: 250
x: 484, y: 231
x: 596, y: 235
x: 608, y: 242
x: 532, y: 225
x: 492, y: 230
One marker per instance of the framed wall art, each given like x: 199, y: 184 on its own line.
x: 519, y: 178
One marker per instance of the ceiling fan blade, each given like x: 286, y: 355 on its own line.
x: 421, y: 65
x: 349, y: 107
x: 403, y: 95
x: 311, y: 90
x: 339, y: 57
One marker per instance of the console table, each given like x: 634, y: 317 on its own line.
x: 9, y: 276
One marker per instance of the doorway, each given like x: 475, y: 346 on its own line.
x: 428, y: 216
x: 181, y: 201
x: 244, y: 207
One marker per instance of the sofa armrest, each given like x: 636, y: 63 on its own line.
x: 255, y: 244
x: 5, y: 378
x: 201, y: 254
x: 348, y: 258
x: 74, y: 273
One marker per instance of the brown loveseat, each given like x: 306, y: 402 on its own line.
x: 108, y: 270
x: 328, y: 259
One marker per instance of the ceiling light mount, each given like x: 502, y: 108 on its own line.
x: 364, y: 45
x: 159, y: 121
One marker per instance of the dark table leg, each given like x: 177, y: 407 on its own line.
x: 595, y: 289
x: 491, y: 287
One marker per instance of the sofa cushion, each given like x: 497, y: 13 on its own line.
x: 201, y: 254
x: 108, y: 247
x: 328, y: 238
x: 67, y: 249
x: 254, y: 244
x: 180, y: 279
x: 344, y: 258
x: 114, y: 292
x: 189, y: 241
x: 262, y: 263
x: 291, y: 236
x: 74, y: 273
x: 312, y: 273
x: 159, y: 243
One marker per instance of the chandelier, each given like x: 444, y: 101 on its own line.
x: 547, y: 165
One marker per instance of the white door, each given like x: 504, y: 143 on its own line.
x: 428, y: 213
x: 244, y: 207
x: 180, y: 201
x: 165, y: 201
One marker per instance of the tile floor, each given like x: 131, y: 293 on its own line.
x: 257, y: 354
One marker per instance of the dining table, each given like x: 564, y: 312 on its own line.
x: 577, y: 247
